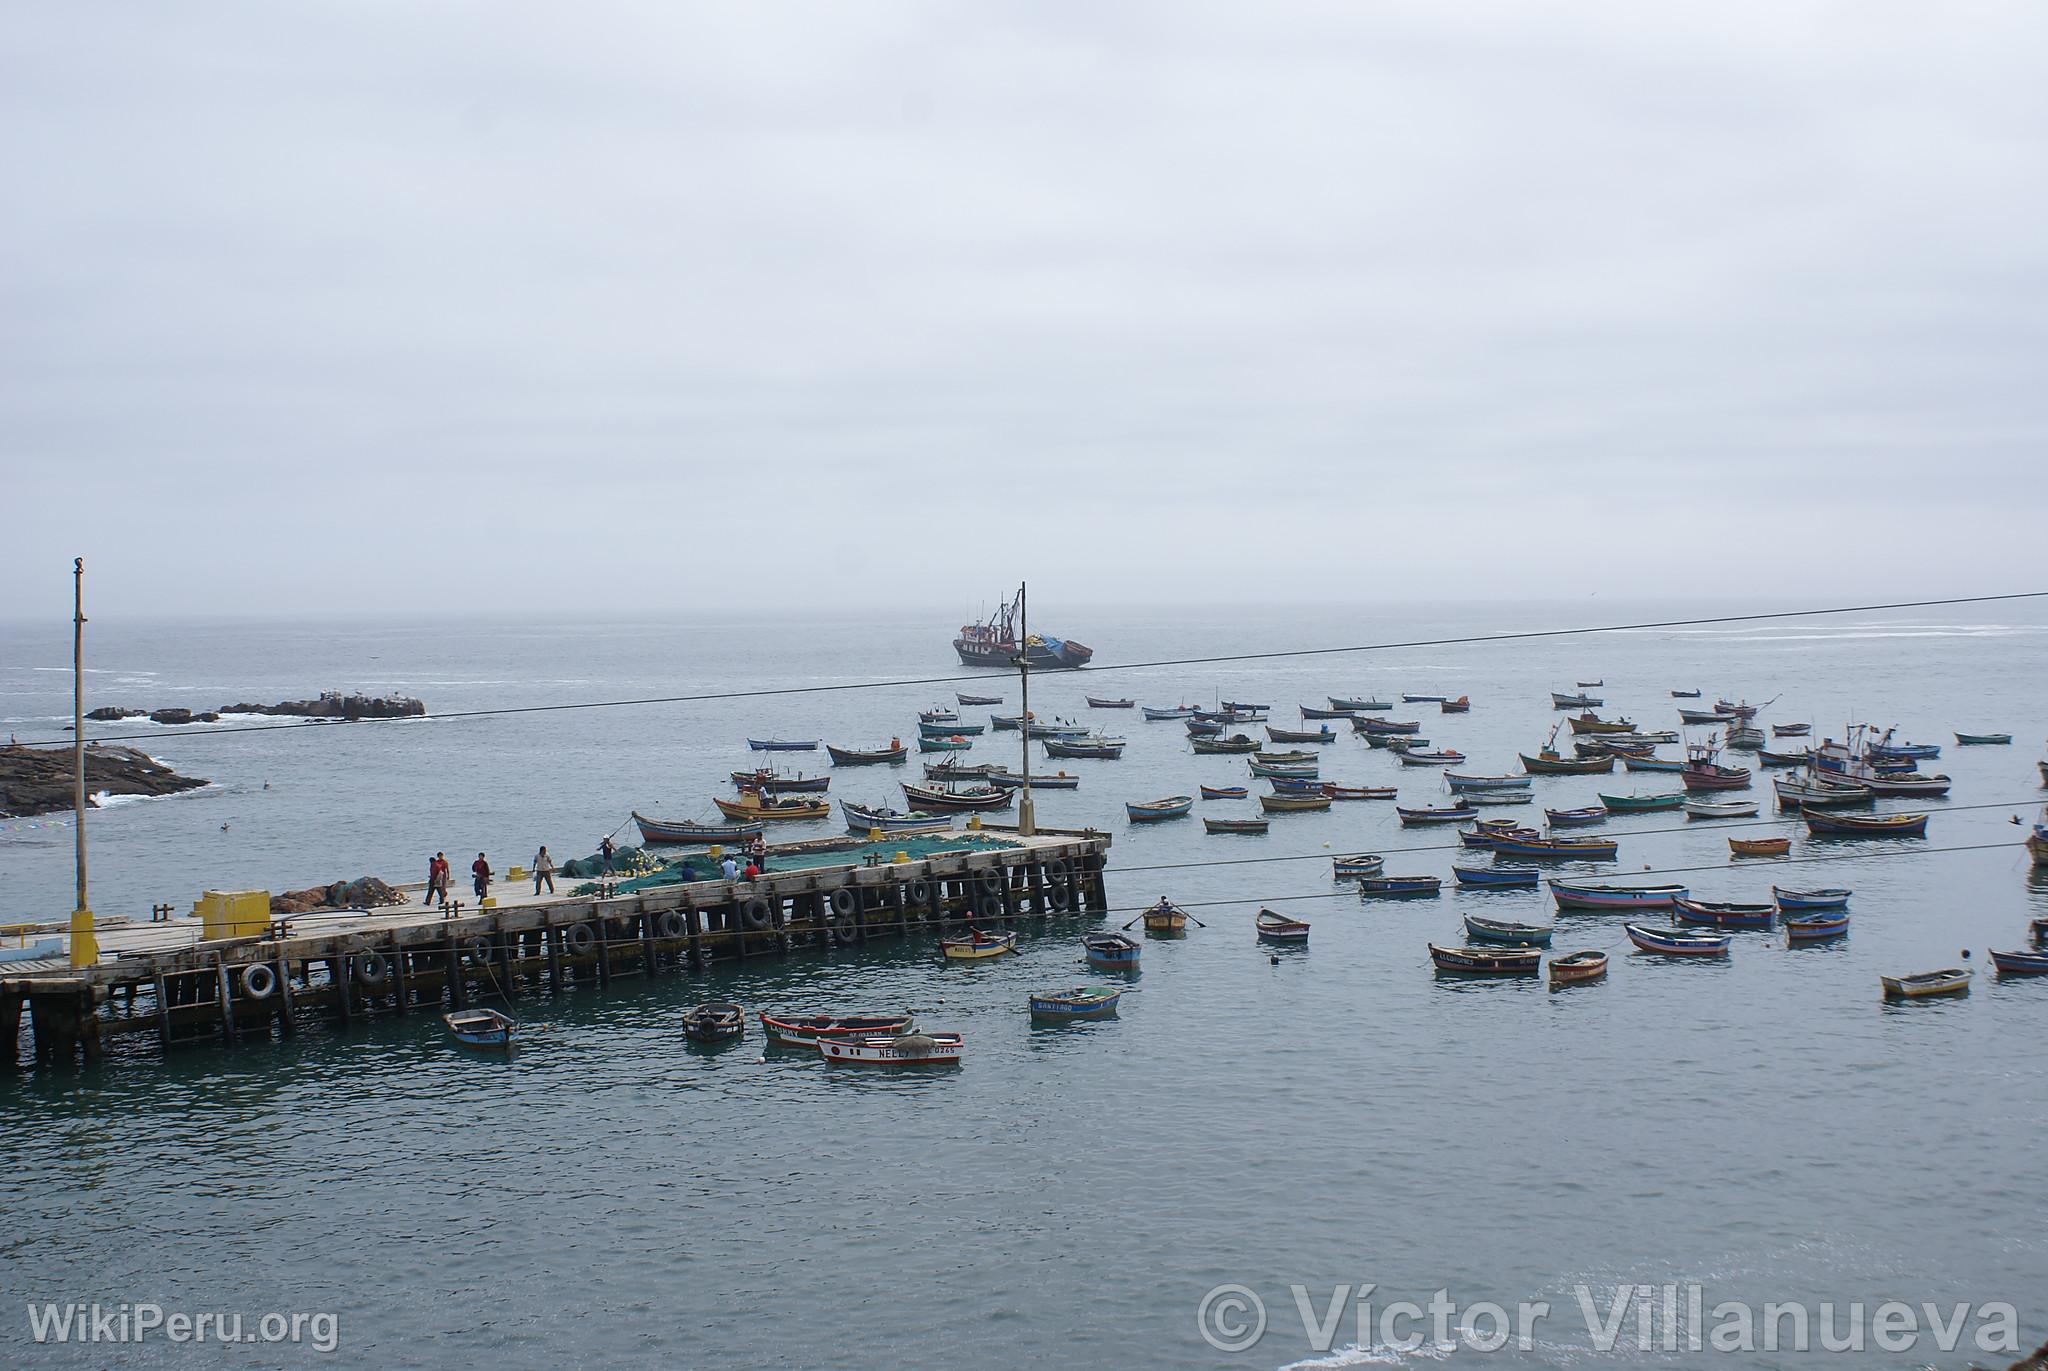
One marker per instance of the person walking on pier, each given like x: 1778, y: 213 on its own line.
x: 437, y: 878
x: 543, y: 870
x: 605, y: 850
x: 481, y: 870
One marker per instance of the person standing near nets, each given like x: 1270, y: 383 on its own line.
x: 605, y: 851
x: 481, y: 870
x: 437, y: 878
x: 543, y: 870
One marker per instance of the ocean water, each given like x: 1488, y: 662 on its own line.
x: 1762, y: 1127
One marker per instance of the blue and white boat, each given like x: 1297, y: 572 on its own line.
x: 1498, y: 877
x: 862, y: 818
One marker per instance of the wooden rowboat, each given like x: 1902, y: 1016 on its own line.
x: 979, y: 699
x: 782, y: 745
x: 1297, y: 735
x: 1643, y: 804
x: 894, y: 753
x: 1443, y: 814
x: 1081, y: 1002
x: 1983, y: 739
x: 1094, y: 703
x: 775, y: 784
x: 1370, y: 887
x: 1112, y: 951
x: 481, y: 1028
x: 1359, y: 792
x: 1823, y: 824
x: 2025, y: 963
x: 1235, y: 825
x: 1578, y: 895
x: 715, y: 1023
x: 1510, y: 844
x: 1225, y: 792
x: 1759, y: 847
x: 1480, y: 930
x: 903, y: 1049
x: 1953, y: 980
x: 1498, y: 877
x: 978, y: 946
x: 954, y: 800
x: 1487, y: 961
x: 1288, y: 804
x: 1571, y: 818
x: 775, y: 810
x: 681, y: 831
x: 1722, y: 914
x: 927, y: 743
x: 1674, y: 942
x: 1720, y: 809
x: 1551, y: 764
x: 1355, y: 704
x: 1278, y: 928
x: 1577, y: 967
x: 1357, y: 864
x: 797, y: 1030
x: 869, y: 818
x: 1812, y: 928
x: 1810, y: 899
x: 1166, y: 918
x: 1461, y: 705
x: 1151, y: 812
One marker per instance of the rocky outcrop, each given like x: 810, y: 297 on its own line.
x: 37, y: 780
x: 183, y: 716
x: 366, y: 892
x: 108, y: 714
x: 333, y: 704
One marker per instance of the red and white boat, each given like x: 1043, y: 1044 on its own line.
x: 899, y: 1049
x: 804, y: 1030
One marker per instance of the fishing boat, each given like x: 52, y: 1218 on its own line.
x: 1108, y: 749
x: 1590, y: 685
x: 979, y: 699
x: 679, y: 832
x: 1364, y: 725
x: 951, y: 729
x: 1768, y: 758
x: 955, y: 800
x: 1355, y: 864
x: 1983, y: 739
x: 1663, y: 764
x: 1743, y: 709
x: 1081, y: 1002
x: 1902, y: 783
x: 1237, y: 744
x: 1812, y: 928
x: 1446, y: 757
x: 1724, y: 914
x: 1583, y: 849
x: 782, y: 745
x: 1246, y: 706
x: 1267, y: 771
x: 806, y: 1030
x: 758, y: 809
x: 1576, y: 818
x: 1359, y: 792
x: 1703, y: 772
x: 1487, y: 961
x: 938, y: 714
x: 1152, y: 811
x: 903, y: 1049
x: 1551, y: 764
x: 2026, y: 963
x: 1007, y: 723
x: 777, y: 784
x: 1382, y: 887
x: 1522, y: 796
x: 927, y: 743
x: 1235, y: 825
x: 1095, y: 702
x: 1614, y: 746
x: 1171, y: 712
x: 1704, y: 716
x: 481, y: 1027
x: 1480, y: 930
x: 1790, y: 730
x: 1586, y: 895
x: 1037, y: 780
x: 1289, y: 804
x: 1435, y: 814
x: 1589, y: 722
x: 1485, y: 833
x: 1643, y: 804
x: 1720, y: 809
x: 1355, y: 705
x: 1423, y: 699
x: 2037, y: 841
x: 1460, y: 780
x: 864, y: 818
x: 1759, y: 847
x: 1278, y: 928
x: 1575, y: 701
x: 1056, y: 728
x: 1112, y: 951
x: 1813, y: 791
x: 1678, y: 942
x: 714, y: 1023
x: 1312, y: 712
x: 1225, y: 792
x: 1746, y: 739
x: 950, y: 770
x: 978, y: 946
x: 891, y: 755
x: 1577, y: 967
x: 996, y: 642
x: 1166, y: 918
x: 1810, y: 899
x: 1953, y: 980
x: 1822, y: 824
x: 1295, y: 785
x: 1461, y: 705
x: 1301, y: 735
x: 1497, y: 877
x: 1289, y: 758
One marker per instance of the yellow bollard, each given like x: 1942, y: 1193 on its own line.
x: 902, y: 856
x: 974, y: 821
x: 85, y: 944
x: 874, y: 835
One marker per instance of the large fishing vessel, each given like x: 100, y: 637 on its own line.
x: 994, y: 642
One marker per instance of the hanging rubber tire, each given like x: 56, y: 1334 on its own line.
x: 989, y: 907
x: 919, y: 893
x: 756, y: 914
x: 672, y: 925
x: 990, y: 882
x: 842, y: 930
x: 1058, y: 894
x: 1060, y: 871
x: 258, y: 981
x: 479, y: 950
x: 845, y: 904
x: 581, y: 938
x: 373, y: 969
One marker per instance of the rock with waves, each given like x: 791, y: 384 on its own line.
x: 332, y: 704
x: 37, y: 780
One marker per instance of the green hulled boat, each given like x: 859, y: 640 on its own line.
x: 1642, y: 804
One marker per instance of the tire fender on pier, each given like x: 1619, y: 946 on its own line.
x: 373, y: 969
x: 845, y: 904
x: 756, y: 914
x: 581, y: 938
x: 672, y: 924
x: 258, y: 981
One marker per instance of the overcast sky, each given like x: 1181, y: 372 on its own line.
x: 358, y: 306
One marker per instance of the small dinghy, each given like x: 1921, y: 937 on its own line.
x: 1112, y: 951
x: 481, y: 1027
x: 1953, y: 980
x: 1577, y: 967
x: 1082, y: 1002
x: 1278, y: 928
x: 715, y: 1023
x: 902, y: 1049
x: 1486, y: 961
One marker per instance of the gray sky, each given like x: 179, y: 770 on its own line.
x: 356, y: 306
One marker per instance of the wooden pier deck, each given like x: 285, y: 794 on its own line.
x: 166, y: 979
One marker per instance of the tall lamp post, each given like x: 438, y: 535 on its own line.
x: 85, y: 945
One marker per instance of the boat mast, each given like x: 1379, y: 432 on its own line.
x: 1026, y: 818
x: 85, y: 947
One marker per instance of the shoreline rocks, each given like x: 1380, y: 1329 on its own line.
x: 37, y: 780
x: 332, y: 704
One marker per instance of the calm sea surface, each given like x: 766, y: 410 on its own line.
x: 1763, y: 1126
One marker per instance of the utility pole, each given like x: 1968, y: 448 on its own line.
x: 85, y: 946
x: 1027, y: 818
